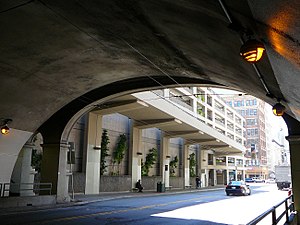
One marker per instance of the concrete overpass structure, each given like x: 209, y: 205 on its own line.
x: 61, y: 58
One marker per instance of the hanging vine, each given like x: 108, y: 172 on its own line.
x: 149, y: 162
x: 173, y: 166
x: 104, y: 151
x: 120, y: 151
x: 192, y: 165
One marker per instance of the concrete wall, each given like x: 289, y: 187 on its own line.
x: 27, y: 201
x: 116, y: 125
x: 123, y: 183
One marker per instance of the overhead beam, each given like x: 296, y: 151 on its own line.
x: 158, y: 123
x: 202, y: 141
x: 119, y: 106
x: 182, y: 134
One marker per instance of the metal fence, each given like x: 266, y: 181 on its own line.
x: 36, y: 188
x: 286, y: 215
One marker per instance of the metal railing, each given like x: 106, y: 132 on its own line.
x: 35, y: 187
x: 287, y: 213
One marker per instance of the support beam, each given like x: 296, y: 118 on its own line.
x: 164, y: 159
x: 159, y: 123
x: 203, y: 141
x: 135, y: 154
x: 63, y: 175
x: 186, y: 165
x: 119, y: 106
x: 93, y: 154
x: 23, y: 173
x: 175, y: 134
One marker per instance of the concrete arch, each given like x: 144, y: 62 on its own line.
x: 56, y: 130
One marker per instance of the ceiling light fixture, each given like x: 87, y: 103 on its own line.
x: 278, y: 109
x: 252, y: 50
x: 5, y: 129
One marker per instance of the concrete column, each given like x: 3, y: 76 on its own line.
x: 135, y: 154
x: 49, y: 167
x: 243, y: 174
x: 294, y: 141
x: 23, y: 173
x: 235, y: 173
x: 62, y: 194
x: 27, y: 172
x: 198, y: 161
x: 186, y: 165
x: 164, y: 160
x: 215, y: 178
x: 227, y: 176
x: 93, y: 154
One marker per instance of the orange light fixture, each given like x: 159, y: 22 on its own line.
x: 4, y: 130
x: 252, y: 50
x: 278, y: 109
x: 4, y: 127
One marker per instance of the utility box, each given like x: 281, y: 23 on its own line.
x: 161, y: 187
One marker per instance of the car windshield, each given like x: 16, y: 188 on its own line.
x: 236, y: 183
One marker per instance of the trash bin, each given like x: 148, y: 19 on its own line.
x: 161, y: 187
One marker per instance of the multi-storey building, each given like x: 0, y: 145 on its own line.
x: 212, y: 110
x: 253, y: 110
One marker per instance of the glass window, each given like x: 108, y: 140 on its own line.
x: 210, y: 159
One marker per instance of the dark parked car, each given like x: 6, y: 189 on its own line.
x: 237, y: 188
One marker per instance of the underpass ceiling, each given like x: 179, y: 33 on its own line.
x: 53, y: 52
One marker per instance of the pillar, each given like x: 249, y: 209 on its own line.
x: 227, y: 175
x: 27, y: 172
x: 54, y: 170
x: 135, y: 154
x: 93, y: 154
x: 62, y: 194
x: 294, y: 142
x: 186, y: 165
x: 243, y: 174
x: 23, y: 173
x: 49, y: 167
x: 236, y: 173
x: 199, y: 161
x: 165, y: 160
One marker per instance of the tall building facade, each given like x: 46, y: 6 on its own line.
x: 253, y: 110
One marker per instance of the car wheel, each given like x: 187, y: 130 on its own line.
x: 244, y: 192
x: 249, y: 192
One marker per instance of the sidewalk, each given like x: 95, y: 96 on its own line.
x: 81, y: 199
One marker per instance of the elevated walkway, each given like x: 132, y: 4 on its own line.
x: 151, y: 110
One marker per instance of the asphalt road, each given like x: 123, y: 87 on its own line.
x: 209, y: 207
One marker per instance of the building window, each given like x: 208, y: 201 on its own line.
x: 210, y: 159
x: 251, y: 122
x: 231, y: 160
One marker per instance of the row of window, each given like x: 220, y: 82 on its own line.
x: 240, y: 103
x: 248, y: 112
x: 252, y: 132
x: 251, y: 122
